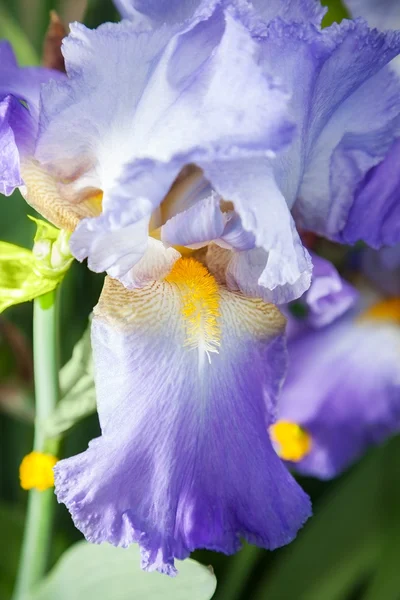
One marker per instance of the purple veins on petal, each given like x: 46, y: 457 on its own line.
x: 184, y: 460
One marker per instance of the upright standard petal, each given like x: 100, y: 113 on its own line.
x: 342, y: 391
x: 130, y: 137
x: 346, y: 129
x: 184, y: 460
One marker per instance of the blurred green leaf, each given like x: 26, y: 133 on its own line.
x: 100, y: 11
x: 336, y: 12
x: 338, y: 546
x: 77, y: 390
x: 11, y: 527
x: 108, y: 573
x: 238, y: 576
x: 385, y: 583
x: 11, y: 30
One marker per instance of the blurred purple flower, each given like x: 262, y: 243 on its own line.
x: 19, y: 113
x: 342, y: 389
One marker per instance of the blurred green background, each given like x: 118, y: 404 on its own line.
x: 351, y: 548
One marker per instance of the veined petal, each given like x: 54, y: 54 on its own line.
x: 343, y: 388
x: 184, y: 460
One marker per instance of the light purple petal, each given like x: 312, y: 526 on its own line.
x: 375, y: 214
x: 169, y: 114
x: 382, y: 14
x: 184, y: 460
x: 10, y: 176
x: 343, y: 387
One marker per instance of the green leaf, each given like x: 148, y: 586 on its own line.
x: 385, y: 583
x: 10, y: 30
x: 104, y: 572
x: 338, y: 546
x: 78, y: 394
x: 336, y: 12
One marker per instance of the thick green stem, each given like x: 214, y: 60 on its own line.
x: 39, y: 518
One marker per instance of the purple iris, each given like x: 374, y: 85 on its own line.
x: 197, y: 139
x: 342, y: 391
x: 19, y: 114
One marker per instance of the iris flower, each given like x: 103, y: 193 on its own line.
x: 181, y: 149
x: 244, y: 96
x: 342, y: 391
x: 19, y: 114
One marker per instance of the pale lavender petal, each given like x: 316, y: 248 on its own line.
x: 234, y: 236
x: 199, y: 224
x: 184, y: 460
x: 279, y: 269
x: 343, y: 388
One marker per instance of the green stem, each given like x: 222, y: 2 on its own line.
x: 39, y: 518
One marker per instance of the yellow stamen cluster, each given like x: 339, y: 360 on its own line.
x: 36, y: 471
x: 200, y: 306
x: 385, y: 310
x: 291, y: 441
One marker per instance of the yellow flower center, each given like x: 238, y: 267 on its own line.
x: 386, y: 310
x: 200, y: 304
x: 291, y: 441
x: 36, y: 471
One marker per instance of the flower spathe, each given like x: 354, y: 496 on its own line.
x: 184, y: 460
